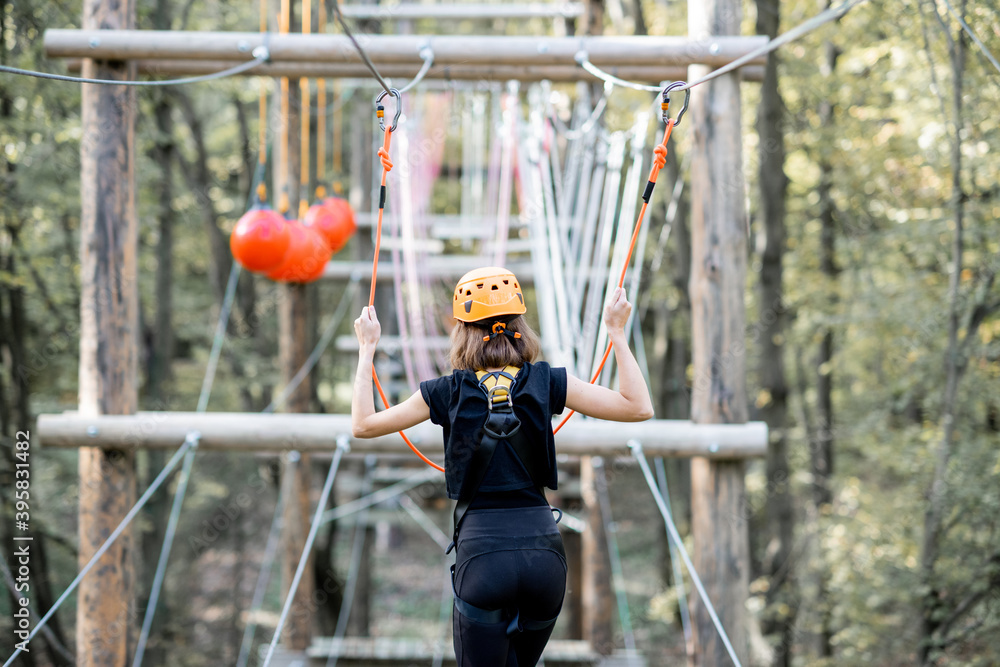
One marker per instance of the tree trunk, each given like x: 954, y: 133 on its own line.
x: 7, y: 432
x: 718, y: 281
x: 200, y: 180
x: 293, y: 344
x: 954, y: 365
x: 105, y: 626
x: 778, y: 508
x: 162, y: 154
x: 822, y: 443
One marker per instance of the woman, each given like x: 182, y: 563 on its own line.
x: 510, y: 568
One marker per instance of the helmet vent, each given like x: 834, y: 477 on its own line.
x: 479, y: 285
x: 506, y: 282
x: 495, y: 287
x: 468, y: 292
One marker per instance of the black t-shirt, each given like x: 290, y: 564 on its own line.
x: 458, y: 405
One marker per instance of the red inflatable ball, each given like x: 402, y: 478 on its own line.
x: 260, y: 239
x: 306, y: 258
x: 334, y: 219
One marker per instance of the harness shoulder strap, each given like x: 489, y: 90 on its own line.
x: 499, y: 424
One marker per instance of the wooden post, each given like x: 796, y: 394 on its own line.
x: 109, y: 308
x: 293, y: 350
x: 598, y: 601
x: 718, y: 274
x: 597, y: 597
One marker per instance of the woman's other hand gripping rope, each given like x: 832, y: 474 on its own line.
x: 659, y: 160
x: 383, y: 154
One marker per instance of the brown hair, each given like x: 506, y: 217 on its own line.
x: 470, y: 352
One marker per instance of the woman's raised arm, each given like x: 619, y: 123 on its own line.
x: 631, y: 402
x: 365, y: 422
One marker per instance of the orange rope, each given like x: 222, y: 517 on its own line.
x: 262, y: 104
x: 305, y: 104
x: 320, y: 139
x: 284, y: 21
x: 283, y: 200
x: 321, y: 116
x: 336, y: 146
x: 659, y: 159
x: 383, y: 154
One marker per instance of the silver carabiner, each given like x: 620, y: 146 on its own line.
x: 666, y: 102
x: 380, y: 110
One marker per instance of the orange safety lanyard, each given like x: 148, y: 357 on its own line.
x: 659, y: 159
x: 383, y: 154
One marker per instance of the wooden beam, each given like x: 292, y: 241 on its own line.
x: 717, y: 286
x: 652, y: 74
x: 109, y: 346
x: 244, y: 432
x: 598, y: 600
x: 445, y: 266
x: 447, y: 11
x: 395, y: 343
x: 450, y: 50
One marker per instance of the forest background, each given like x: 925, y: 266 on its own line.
x: 871, y: 152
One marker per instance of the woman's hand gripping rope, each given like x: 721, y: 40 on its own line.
x: 659, y: 160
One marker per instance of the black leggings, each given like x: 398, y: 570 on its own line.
x: 510, y: 559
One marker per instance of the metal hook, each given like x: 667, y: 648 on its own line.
x: 666, y: 101
x: 399, y: 108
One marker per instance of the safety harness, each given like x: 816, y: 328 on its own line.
x: 501, y: 424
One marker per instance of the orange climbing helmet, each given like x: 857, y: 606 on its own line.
x: 489, y: 293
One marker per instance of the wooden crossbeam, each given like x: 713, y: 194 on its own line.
x: 405, y: 71
x: 389, y: 650
x: 444, y: 266
x: 448, y: 11
x: 396, y: 343
x: 243, y: 432
x: 452, y: 50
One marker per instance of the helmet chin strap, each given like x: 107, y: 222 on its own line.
x: 498, y: 329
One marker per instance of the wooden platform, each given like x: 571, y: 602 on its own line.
x: 388, y: 652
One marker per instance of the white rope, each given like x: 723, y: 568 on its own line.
x: 220, y: 337
x: 189, y: 442
x: 617, y: 573
x: 973, y: 35
x: 636, y: 447
x: 661, y: 476
x: 321, y: 345
x: 427, y: 53
x: 270, y: 552
x: 425, y: 522
x: 416, y: 479
x: 260, y: 54
x: 342, y: 447
x: 347, y: 601
x: 804, y: 28
x: 444, y: 614
x: 808, y: 26
x: 161, y: 564
x: 585, y: 63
